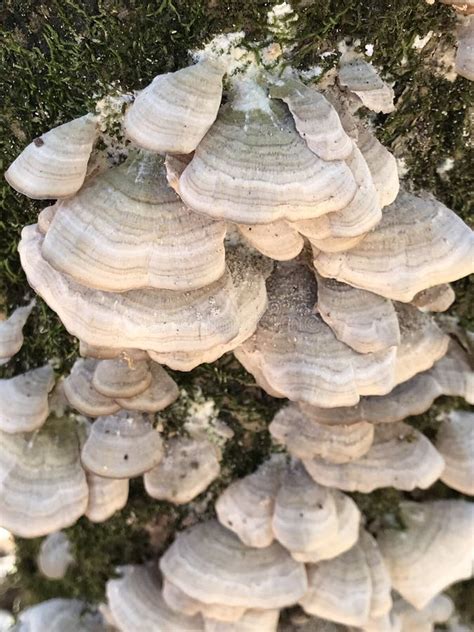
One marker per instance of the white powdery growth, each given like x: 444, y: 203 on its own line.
x: 421, y: 41
x: 202, y: 419
x: 281, y: 21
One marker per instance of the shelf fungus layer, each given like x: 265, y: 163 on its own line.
x: 418, y: 244
x: 11, y: 332
x: 54, y: 165
x: 82, y: 395
x: 127, y: 229
x: 158, y: 320
x: 299, y: 356
x: 455, y: 442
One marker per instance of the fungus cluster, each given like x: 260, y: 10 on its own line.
x: 270, y: 225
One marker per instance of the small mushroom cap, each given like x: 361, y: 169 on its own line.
x: 82, y: 395
x: 251, y: 621
x: 127, y: 229
x: 399, y: 457
x: 246, y: 506
x: 434, y: 551
x: 43, y: 487
x: 418, y: 244
x: 464, y: 63
x: 137, y: 604
x: 315, y: 119
x: 363, y: 320
x: 157, y: 320
x: 344, y: 229
x: 252, y: 167
x: 181, y: 602
x: 210, y: 564
x: 122, y: 446
x: 175, y: 111
x: 438, y: 610
x: 382, y: 166
x: 455, y: 443
x: 55, y: 555
x: 11, y: 334
x: 121, y: 378
x: 188, y: 468
x: 305, y: 438
x: 59, y: 615
x: 350, y: 588
x: 277, y: 240
x: 438, y: 298
x: 298, y: 354
x: 362, y: 79
x: 24, y: 400
x: 161, y: 392
x: 54, y: 165
x: 106, y: 496
x: 422, y: 342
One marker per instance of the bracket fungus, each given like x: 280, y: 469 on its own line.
x: 361, y: 79
x: 455, y: 442
x: 54, y: 556
x: 277, y: 240
x: 438, y: 610
x: 82, y: 395
x: 59, y: 615
x: 432, y: 552
x: 418, y: 244
x: 121, y: 378
x: 281, y: 502
x: 435, y: 299
x: 350, y: 588
x: 176, y: 110
x: 106, y: 496
x: 298, y: 354
x: 161, y: 392
x: 187, y: 469
x: 136, y: 603
x: 399, y: 457
x: 24, y: 400
x: 43, y: 487
x: 122, y: 446
x: 305, y: 438
x: 210, y: 565
x: 127, y: 229
x: 464, y: 64
x: 11, y: 332
x: 382, y: 166
x: 55, y: 164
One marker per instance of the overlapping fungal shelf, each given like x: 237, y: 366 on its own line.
x: 269, y: 224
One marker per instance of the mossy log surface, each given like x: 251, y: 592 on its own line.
x: 60, y: 56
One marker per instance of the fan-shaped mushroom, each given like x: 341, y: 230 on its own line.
x: 122, y: 446
x: 82, y: 395
x: 54, y: 165
x: 277, y: 240
x: 175, y: 111
x: 362, y: 79
x: 455, y: 442
x: 161, y: 392
x: 418, y: 244
x: 24, y: 400
x: 382, y: 165
x: 106, y: 496
x: 11, y: 334
x: 433, y: 551
x: 399, y: 457
x: 127, y: 229
x: 119, y: 378
x: 54, y: 556
x: 59, y: 615
x: 464, y: 64
x: 438, y: 610
x: 435, y: 299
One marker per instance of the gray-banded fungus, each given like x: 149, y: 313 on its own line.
x: 54, y: 165
x: 122, y: 446
x: 305, y: 438
x: 399, y: 457
x: 82, y: 395
x: 106, y: 496
x: 452, y: 375
x: 136, y: 603
x: 11, y: 332
x: 464, y: 64
x: 121, y: 378
x: 435, y: 299
x: 363, y: 320
x: 299, y: 355
x: 161, y: 392
x: 45, y: 217
x: 252, y: 167
x: 127, y: 229
x: 43, y: 486
x: 24, y: 400
x: 418, y: 244
x: 187, y: 469
x: 350, y: 588
x: 432, y: 552
x: 158, y: 320
x: 278, y: 240
x: 382, y: 166
x: 60, y: 615
x: 455, y: 442
x: 175, y: 111
x: 212, y: 566
x: 55, y: 556
x: 362, y: 79
x: 315, y: 119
